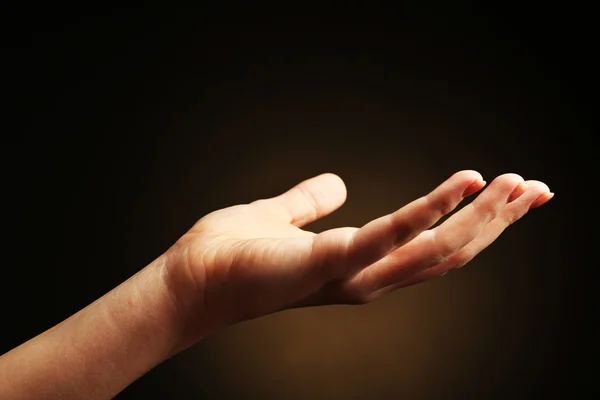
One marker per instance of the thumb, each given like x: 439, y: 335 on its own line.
x: 311, y: 199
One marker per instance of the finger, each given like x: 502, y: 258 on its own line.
x: 382, y: 235
x: 536, y: 195
x: 309, y: 200
x: 433, y: 246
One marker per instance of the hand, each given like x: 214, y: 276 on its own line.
x: 254, y: 259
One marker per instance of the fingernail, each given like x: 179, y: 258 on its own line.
x: 518, y: 191
x: 473, y: 187
x: 541, y: 200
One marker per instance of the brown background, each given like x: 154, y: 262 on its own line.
x: 129, y: 125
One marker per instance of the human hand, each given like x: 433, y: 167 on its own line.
x: 254, y: 259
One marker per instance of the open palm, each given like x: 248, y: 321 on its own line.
x: 254, y: 259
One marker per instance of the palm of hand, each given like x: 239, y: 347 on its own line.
x: 253, y: 259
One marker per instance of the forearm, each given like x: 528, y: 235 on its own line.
x: 100, y: 350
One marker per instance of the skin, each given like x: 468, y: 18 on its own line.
x: 254, y: 259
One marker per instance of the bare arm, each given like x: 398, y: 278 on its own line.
x: 100, y: 350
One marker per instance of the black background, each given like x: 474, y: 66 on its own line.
x: 124, y: 126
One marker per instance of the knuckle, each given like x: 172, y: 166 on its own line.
x: 310, y: 200
x: 444, y: 247
x: 442, y: 205
x: 485, y: 209
x: 512, y: 217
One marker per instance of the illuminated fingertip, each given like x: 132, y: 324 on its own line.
x: 518, y: 191
x: 541, y: 200
x: 474, y: 187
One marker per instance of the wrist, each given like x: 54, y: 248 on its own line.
x: 185, y: 295
x: 107, y: 345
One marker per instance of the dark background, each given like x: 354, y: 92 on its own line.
x: 126, y: 126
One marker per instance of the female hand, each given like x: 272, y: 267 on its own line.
x: 254, y: 259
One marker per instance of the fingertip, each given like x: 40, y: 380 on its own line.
x: 541, y: 200
x: 474, y: 187
x: 518, y: 191
x: 539, y: 186
x: 470, y: 179
x: 334, y: 176
x: 335, y: 181
x: 511, y: 178
x: 469, y: 174
x: 508, y: 183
